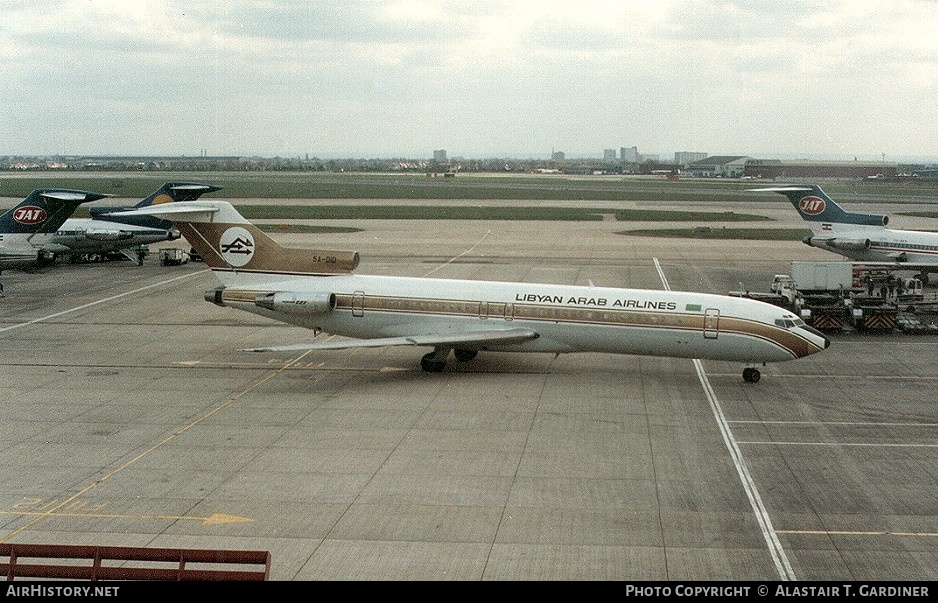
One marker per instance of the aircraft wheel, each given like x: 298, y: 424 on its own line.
x: 431, y: 364
x: 751, y: 375
x: 464, y: 355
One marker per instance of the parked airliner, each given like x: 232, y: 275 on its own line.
x: 109, y: 231
x: 318, y: 290
x: 860, y: 237
x: 28, y: 227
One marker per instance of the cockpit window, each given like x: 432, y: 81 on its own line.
x: 789, y: 323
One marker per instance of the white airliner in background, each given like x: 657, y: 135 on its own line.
x: 109, y: 231
x: 860, y: 237
x: 317, y: 290
x: 28, y: 227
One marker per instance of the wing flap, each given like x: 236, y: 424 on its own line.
x: 468, y: 338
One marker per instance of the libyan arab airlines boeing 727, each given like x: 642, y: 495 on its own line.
x: 860, y: 237
x: 318, y: 290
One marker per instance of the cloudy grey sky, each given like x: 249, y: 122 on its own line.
x: 487, y: 78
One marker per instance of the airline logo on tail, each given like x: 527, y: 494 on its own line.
x: 236, y: 246
x: 29, y: 215
x: 811, y: 205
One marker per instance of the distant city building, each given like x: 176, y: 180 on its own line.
x: 609, y: 156
x: 685, y: 158
x: 439, y: 155
x: 629, y: 155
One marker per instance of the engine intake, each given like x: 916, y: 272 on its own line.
x: 295, y: 302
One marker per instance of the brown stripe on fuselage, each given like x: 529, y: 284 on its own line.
x: 780, y: 336
x: 796, y: 345
x: 268, y: 255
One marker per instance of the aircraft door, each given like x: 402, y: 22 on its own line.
x: 358, y: 303
x: 711, y: 323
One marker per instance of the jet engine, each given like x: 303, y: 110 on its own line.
x: 839, y: 243
x: 108, y: 235
x: 295, y: 302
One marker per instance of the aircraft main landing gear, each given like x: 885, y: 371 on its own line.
x: 751, y: 375
x: 435, y: 361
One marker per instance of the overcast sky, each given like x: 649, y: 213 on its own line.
x: 400, y: 78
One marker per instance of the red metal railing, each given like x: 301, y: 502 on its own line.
x: 131, y: 563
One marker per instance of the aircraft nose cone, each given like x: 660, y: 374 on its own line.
x: 816, y: 333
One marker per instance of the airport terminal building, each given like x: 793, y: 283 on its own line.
x: 780, y: 169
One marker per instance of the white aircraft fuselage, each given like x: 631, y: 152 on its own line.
x: 85, y: 235
x: 566, y: 318
x: 879, y: 244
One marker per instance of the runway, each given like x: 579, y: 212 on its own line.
x: 131, y: 417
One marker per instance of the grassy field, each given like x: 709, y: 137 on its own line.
x: 328, y: 185
x: 398, y: 188
x: 470, y: 212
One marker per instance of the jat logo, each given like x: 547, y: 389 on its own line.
x: 29, y: 215
x: 812, y: 205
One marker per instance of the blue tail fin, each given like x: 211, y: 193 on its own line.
x: 815, y: 206
x: 168, y: 193
x: 178, y: 191
x: 44, y: 210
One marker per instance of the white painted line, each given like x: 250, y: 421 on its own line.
x: 785, y: 571
x: 784, y: 568
x: 846, y: 423
x: 870, y: 445
x: 454, y: 258
x: 100, y: 301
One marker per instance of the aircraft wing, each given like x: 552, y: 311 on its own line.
x: 467, y: 339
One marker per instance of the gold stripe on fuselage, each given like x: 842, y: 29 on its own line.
x: 680, y: 321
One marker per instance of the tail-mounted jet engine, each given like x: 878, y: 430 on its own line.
x: 839, y: 243
x: 295, y: 302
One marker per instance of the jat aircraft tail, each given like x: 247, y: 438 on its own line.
x: 820, y: 210
x: 232, y: 246
x: 44, y: 210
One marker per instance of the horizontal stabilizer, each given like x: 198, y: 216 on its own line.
x: 467, y: 339
x: 66, y: 195
x: 183, y: 211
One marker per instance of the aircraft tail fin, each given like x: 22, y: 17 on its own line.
x: 169, y: 192
x: 178, y: 191
x: 228, y: 243
x: 815, y: 206
x: 44, y: 210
